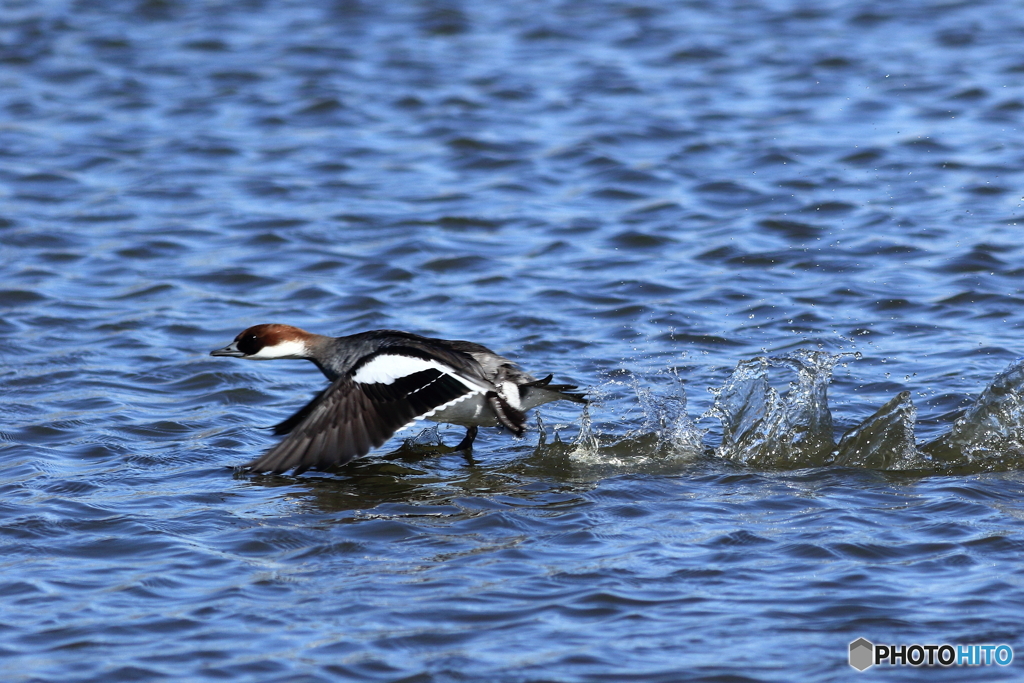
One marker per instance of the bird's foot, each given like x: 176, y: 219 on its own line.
x: 467, y: 441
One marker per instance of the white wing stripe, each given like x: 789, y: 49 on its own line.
x: 386, y: 368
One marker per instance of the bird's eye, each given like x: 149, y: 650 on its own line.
x: 249, y: 344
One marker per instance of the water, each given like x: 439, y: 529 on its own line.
x: 809, y: 208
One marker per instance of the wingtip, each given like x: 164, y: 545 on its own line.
x: 258, y: 466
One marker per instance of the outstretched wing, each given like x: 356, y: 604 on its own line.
x: 386, y: 391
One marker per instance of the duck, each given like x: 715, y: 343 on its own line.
x: 383, y: 381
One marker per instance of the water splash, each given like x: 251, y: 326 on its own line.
x: 666, y: 433
x: 991, y: 431
x: 586, y: 444
x: 765, y: 429
x: 762, y: 428
x: 884, y: 441
x: 665, y: 416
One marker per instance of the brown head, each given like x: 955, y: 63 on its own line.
x: 266, y: 342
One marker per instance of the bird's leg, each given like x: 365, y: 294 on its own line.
x: 467, y: 441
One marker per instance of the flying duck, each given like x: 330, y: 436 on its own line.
x: 383, y: 381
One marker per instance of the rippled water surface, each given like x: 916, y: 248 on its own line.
x: 634, y: 197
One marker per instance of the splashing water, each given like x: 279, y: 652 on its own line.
x: 991, y: 432
x: 884, y: 441
x: 666, y: 434
x: 763, y: 429
x: 665, y: 416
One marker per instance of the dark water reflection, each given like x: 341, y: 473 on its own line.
x: 632, y: 197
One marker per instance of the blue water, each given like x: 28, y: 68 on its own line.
x: 634, y: 197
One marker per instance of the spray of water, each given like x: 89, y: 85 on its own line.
x: 666, y: 434
x: 884, y: 441
x: 991, y: 432
x: 762, y: 428
x: 766, y: 429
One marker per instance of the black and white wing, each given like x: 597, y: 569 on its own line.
x: 385, y: 392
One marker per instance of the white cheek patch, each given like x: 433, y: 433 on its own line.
x: 386, y: 368
x: 286, y: 349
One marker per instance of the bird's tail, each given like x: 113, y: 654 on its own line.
x: 564, y: 391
